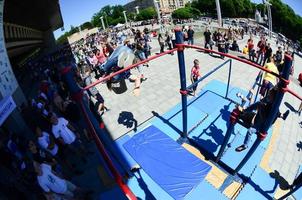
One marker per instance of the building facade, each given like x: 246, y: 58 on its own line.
x: 25, y: 27
x: 166, y: 6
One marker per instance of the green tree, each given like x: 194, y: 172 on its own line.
x: 86, y: 25
x: 182, y: 13
x: 228, y: 8
x: 145, y: 14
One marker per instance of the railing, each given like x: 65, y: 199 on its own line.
x: 180, y: 48
x: 211, y: 72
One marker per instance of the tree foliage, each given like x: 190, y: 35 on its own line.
x: 186, y: 13
x: 284, y: 18
x: 145, y: 14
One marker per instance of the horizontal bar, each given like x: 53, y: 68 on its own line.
x: 232, y: 57
x: 106, y: 78
x: 208, y: 74
x: 293, y: 93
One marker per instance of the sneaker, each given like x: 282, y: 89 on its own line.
x: 285, y: 115
x: 241, y: 148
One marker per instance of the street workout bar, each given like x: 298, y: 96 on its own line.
x: 106, y: 78
x: 230, y: 56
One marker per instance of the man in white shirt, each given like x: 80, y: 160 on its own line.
x: 51, y: 183
x: 64, y: 132
x: 46, y: 142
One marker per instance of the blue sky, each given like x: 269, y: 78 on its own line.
x: 76, y: 12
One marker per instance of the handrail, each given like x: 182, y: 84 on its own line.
x: 293, y: 93
x: 106, y: 78
x: 232, y: 57
x: 118, y: 178
x: 206, y: 75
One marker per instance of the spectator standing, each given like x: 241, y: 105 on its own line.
x: 279, y: 57
x: 161, y: 42
x: 261, y: 51
x: 221, y: 45
x: 190, y: 36
x: 52, y: 184
x: 268, y: 53
x: 207, y: 37
x: 250, y: 46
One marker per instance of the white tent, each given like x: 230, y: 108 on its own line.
x: 119, y: 25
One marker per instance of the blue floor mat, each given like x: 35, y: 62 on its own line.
x: 171, y: 122
x: 208, y: 102
x: 115, y: 193
x: 172, y: 167
x: 233, y: 158
x: 260, y: 186
x: 128, y: 162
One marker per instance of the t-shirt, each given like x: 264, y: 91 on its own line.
x: 49, y: 182
x: 195, y: 72
x: 44, y: 142
x: 61, y: 130
x: 245, y: 50
x: 207, y: 36
x: 269, y: 77
x: 190, y: 34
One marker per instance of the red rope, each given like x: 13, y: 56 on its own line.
x: 106, y: 78
x: 118, y: 178
x: 292, y: 93
x: 233, y: 57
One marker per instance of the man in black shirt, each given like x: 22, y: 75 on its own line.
x: 207, y: 36
x: 190, y: 36
x: 268, y: 53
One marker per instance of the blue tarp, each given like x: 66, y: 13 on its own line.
x: 172, y: 167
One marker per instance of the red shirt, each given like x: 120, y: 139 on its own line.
x: 195, y: 73
x: 250, y: 45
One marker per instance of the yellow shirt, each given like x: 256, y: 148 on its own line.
x: 245, y: 50
x: 269, y: 77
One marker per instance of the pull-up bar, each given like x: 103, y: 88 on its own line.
x: 108, y: 77
x: 230, y: 56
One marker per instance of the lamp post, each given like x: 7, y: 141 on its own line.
x: 158, y: 14
x: 137, y: 10
x: 102, y: 20
x: 125, y: 16
x: 269, y: 13
x: 218, y: 12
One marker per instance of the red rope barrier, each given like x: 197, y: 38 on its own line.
x: 292, y: 93
x: 106, y: 78
x: 118, y: 178
x: 232, y: 57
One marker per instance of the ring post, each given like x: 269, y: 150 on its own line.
x: 262, y: 132
x: 182, y: 74
x: 229, y: 78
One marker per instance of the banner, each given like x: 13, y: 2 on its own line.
x: 8, y: 82
x: 7, y: 106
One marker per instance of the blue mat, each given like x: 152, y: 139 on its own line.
x: 208, y: 102
x: 260, y: 186
x: 172, y: 167
x: 127, y: 160
x: 298, y: 193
